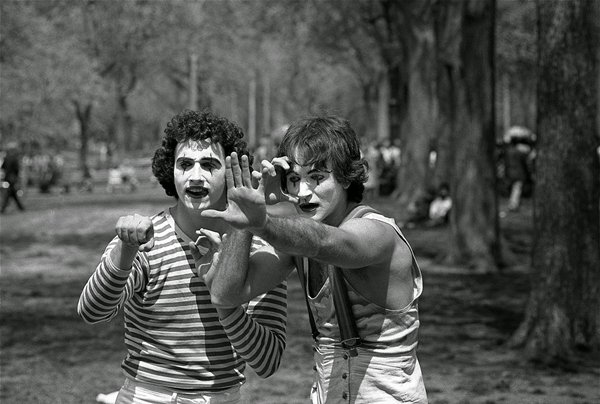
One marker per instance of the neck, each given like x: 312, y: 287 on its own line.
x: 190, y: 220
x: 336, y: 219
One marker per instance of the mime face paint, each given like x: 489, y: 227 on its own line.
x: 199, y: 175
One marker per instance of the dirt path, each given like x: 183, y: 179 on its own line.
x: 48, y: 355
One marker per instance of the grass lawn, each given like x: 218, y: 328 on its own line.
x: 49, y: 355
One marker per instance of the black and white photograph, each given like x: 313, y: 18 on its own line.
x: 299, y: 201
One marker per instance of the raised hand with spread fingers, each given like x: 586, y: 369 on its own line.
x: 246, y: 205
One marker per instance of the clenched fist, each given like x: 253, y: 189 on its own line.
x: 136, y: 230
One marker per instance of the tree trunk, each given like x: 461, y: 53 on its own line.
x: 233, y: 96
x: 418, y: 121
x: 506, y: 110
x: 193, y: 90
x: 474, y: 223
x: 383, y: 107
x: 266, y: 104
x: 422, y: 110
x: 563, y: 312
x: 252, y: 112
x: 398, y: 90
x: 124, y: 125
x: 83, y: 117
x: 447, y: 27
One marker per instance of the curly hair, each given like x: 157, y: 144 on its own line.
x: 322, y: 139
x: 194, y: 125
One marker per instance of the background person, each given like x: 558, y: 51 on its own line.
x: 11, y: 166
x: 518, y: 159
x: 439, y: 209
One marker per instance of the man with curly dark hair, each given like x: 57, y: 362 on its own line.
x: 181, y: 346
x: 360, y: 276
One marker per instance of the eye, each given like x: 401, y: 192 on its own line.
x: 293, y: 179
x: 185, y: 164
x: 208, y: 165
x: 317, y: 178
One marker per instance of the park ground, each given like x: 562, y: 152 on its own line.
x: 49, y: 355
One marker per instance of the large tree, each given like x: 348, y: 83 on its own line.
x: 466, y: 104
x: 563, y: 312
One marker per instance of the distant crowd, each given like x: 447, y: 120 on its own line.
x: 515, y: 169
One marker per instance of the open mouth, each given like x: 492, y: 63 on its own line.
x: 196, y: 192
x: 308, y: 207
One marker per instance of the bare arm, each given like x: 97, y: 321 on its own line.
x: 236, y: 275
x: 257, y: 334
x: 357, y: 243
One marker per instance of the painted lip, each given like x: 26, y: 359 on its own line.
x: 196, y: 192
x: 308, y: 207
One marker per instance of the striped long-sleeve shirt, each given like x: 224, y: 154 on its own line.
x: 173, y: 335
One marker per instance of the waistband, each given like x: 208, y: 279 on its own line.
x: 222, y: 396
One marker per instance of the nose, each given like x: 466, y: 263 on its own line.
x: 197, y: 173
x: 304, y: 190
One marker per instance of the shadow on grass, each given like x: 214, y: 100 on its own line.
x: 89, y: 241
x: 465, y: 320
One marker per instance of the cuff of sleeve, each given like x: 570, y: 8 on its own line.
x: 232, y: 318
x: 112, y: 268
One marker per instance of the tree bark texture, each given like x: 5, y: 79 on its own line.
x: 469, y: 110
x: 563, y: 311
x: 413, y: 101
x: 421, y: 109
x: 383, y: 108
x: 84, y: 115
x: 447, y: 26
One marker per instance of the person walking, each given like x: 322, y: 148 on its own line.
x: 11, y: 167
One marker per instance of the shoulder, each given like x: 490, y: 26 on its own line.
x: 385, y: 228
x: 369, y: 221
x: 162, y: 218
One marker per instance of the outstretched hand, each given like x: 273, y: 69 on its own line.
x: 246, y: 205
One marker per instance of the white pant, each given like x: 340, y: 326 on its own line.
x: 366, y: 379
x: 134, y: 392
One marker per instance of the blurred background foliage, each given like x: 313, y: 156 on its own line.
x: 120, y: 70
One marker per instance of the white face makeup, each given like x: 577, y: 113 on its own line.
x: 320, y: 196
x: 199, y: 175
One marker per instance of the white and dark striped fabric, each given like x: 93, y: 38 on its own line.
x: 173, y: 335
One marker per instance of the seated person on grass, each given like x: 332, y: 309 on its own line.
x: 179, y: 344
